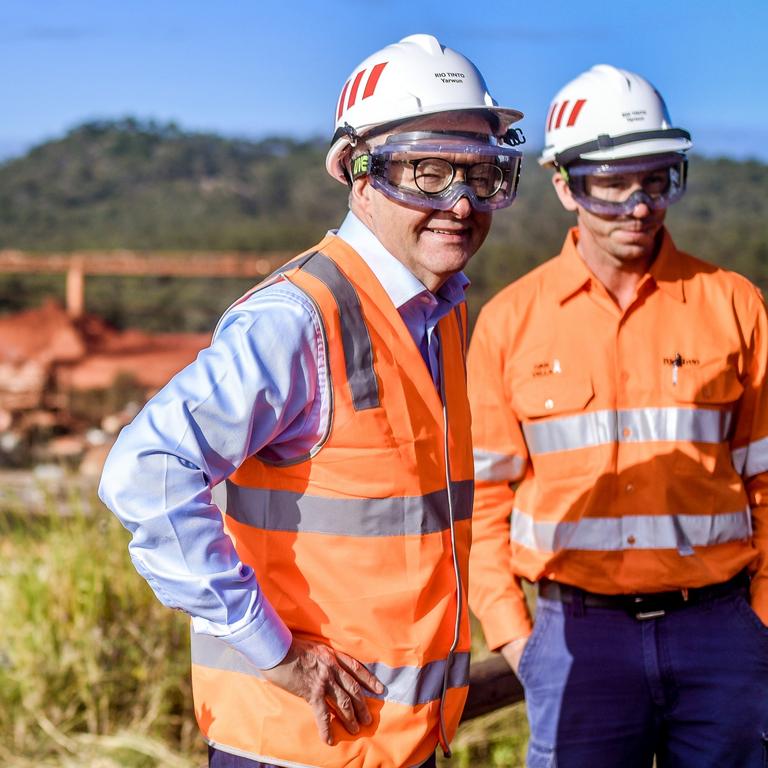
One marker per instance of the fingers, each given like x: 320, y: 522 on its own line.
x: 361, y: 673
x: 322, y: 718
x: 330, y: 681
x: 354, y: 693
x: 337, y: 690
x: 346, y: 707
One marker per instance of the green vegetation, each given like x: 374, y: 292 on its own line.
x: 91, y: 665
x: 94, y: 671
x: 144, y: 186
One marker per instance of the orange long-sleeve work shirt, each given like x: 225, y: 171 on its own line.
x: 620, y: 451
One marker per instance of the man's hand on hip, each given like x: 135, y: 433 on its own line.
x: 513, y: 652
x: 326, y: 678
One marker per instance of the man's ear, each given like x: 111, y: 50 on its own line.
x: 564, y: 192
x: 360, y: 197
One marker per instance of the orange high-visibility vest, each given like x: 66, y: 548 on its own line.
x: 362, y: 544
x: 637, y: 440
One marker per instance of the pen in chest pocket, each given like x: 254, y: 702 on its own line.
x: 676, y: 363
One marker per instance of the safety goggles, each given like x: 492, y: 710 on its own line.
x: 607, y: 187
x: 435, y: 170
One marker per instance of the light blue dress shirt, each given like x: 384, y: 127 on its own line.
x: 259, y: 387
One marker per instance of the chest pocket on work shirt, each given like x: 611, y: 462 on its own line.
x: 556, y: 425
x: 709, y: 383
x: 553, y: 395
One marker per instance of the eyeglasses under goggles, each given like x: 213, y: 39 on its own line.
x: 435, y: 170
x: 605, y: 187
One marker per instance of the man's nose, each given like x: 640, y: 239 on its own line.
x: 641, y: 202
x: 462, y: 208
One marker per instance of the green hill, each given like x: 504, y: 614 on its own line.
x: 137, y: 185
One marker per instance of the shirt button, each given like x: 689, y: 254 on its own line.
x: 627, y: 432
x: 630, y: 539
x: 629, y: 488
x: 549, y: 404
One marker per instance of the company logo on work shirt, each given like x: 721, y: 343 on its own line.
x: 547, y: 369
x: 679, y: 361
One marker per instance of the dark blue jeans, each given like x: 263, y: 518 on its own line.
x: 219, y: 759
x: 606, y: 690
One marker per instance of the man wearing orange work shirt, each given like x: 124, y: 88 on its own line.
x: 620, y: 420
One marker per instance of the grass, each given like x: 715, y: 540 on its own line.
x: 94, y: 671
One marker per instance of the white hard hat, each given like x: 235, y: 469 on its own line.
x: 608, y: 113
x: 415, y: 77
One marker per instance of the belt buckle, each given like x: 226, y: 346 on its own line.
x: 644, y: 615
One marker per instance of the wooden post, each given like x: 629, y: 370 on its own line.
x: 75, y: 291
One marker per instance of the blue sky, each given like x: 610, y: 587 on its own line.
x: 261, y: 67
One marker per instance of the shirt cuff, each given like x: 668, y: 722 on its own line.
x: 760, y: 598
x: 264, y: 641
x: 507, y: 620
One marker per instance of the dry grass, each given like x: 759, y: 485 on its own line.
x: 94, y: 671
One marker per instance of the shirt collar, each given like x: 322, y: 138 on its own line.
x: 397, y: 280
x: 573, y: 274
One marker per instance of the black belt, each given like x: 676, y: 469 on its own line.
x: 645, y: 606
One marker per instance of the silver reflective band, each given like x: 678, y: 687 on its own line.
x: 752, y: 459
x: 639, y: 425
x: 392, y: 516
x: 404, y: 685
x: 355, y: 339
x: 616, y: 534
x: 493, y: 467
x: 266, y: 759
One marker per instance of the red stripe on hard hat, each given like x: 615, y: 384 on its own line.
x: 560, y: 113
x: 575, y: 111
x: 355, y: 86
x: 341, y: 100
x: 551, y: 115
x: 373, y: 79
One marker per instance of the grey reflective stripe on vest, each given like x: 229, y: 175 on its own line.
x: 393, y: 516
x: 491, y: 467
x: 358, y: 351
x: 615, y: 534
x: 752, y: 459
x: 638, y: 425
x: 404, y: 685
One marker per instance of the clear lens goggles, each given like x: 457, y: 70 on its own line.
x: 435, y: 170
x: 610, y: 187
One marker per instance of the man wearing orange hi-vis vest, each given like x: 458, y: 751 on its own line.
x: 328, y: 602
x: 620, y: 425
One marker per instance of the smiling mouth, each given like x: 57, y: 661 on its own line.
x: 436, y: 231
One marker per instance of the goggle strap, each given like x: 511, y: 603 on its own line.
x: 366, y: 164
x: 361, y: 165
x: 604, y: 141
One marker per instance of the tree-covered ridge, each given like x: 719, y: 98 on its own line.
x: 142, y: 185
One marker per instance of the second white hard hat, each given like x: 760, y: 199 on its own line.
x: 415, y: 77
x: 608, y: 113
